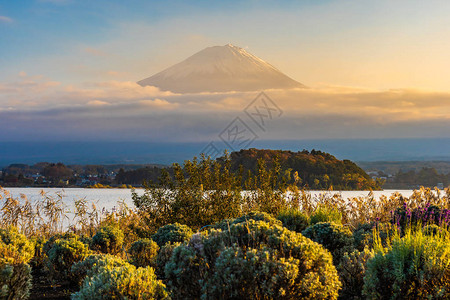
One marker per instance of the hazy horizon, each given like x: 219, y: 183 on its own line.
x: 141, y: 152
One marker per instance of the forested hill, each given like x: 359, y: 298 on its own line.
x: 315, y: 169
x: 311, y: 170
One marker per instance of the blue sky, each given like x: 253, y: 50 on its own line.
x: 378, y: 44
x: 37, y: 35
x: 377, y: 69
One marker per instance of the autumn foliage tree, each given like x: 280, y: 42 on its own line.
x: 56, y: 172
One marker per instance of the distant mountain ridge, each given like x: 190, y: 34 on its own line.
x: 221, y: 69
x: 144, y: 152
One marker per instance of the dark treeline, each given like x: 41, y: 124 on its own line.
x: 427, y: 177
x: 138, y: 176
x: 59, y: 174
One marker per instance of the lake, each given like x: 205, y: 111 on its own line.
x: 108, y: 198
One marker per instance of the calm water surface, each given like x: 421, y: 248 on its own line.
x: 108, y: 198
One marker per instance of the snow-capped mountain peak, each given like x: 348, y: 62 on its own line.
x: 220, y: 69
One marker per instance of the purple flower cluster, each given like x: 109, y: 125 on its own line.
x: 404, y: 216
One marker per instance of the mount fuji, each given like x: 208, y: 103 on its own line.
x: 221, y: 69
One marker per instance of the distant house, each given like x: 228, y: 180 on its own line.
x: 87, y: 181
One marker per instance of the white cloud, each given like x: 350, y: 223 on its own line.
x: 97, y: 103
x: 323, y: 112
x: 159, y: 103
x: 382, y: 105
x: 5, y: 19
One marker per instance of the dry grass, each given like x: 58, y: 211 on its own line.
x: 50, y: 215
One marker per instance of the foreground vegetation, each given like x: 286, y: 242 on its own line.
x: 195, y: 235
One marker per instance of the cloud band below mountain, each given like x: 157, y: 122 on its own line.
x: 38, y: 108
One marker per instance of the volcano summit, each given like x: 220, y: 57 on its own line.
x: 221, y: 69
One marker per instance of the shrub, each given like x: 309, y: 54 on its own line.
x: 243, y: 273
x: 363, y: 235
x: 164, y: 255
x: 15, y: 273
x: 351, y: 269
x: 124, y: 282
x: 173, y: 233
x: 62, y: 255
x: 294, y: 219
x: 257, y: 216
x: 59, y: 236
x: 181, y: 196
x: 108, y: 239
x: 324, y: 213
x: 413, y: 267
x: 86, y: 240
x: 16, y: 248
x: 92, y: 264
x: 254, y: 215
x: 252, y: 259
x: 15, y: 281
x: 184, y: 273
x: 143, y: 253
x: 334, y: 237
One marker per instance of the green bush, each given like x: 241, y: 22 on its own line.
x: 15, y: 281
x: 86, y: 240
x: 363, y: 236
x: 173, y: 233
x: 252, y: 259
x: 413, y: 267
x: 62, y: 255
x: 257, y: 216
x: 108, y: 239
x: 185, y: 272
x: 164, y: 255
x: 351, y: 269
x: 293, y: 219
x: 364, y: 233
x: 143, y: 253
x: 325, y: 213
x: 92, y: 264
x: 124, y: 282
x: 59, y: 236
x: 254, y: 215
x: 334, y: 237
x: 15, y: 273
